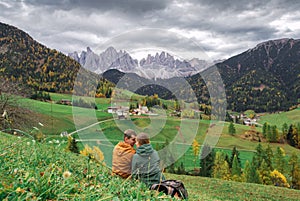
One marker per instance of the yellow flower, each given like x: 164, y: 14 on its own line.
x: 66, y: 174
x: 20, y: 190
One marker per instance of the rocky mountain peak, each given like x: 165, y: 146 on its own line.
x: 160, y: 65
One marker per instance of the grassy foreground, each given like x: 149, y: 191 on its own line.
x: 36, y: 171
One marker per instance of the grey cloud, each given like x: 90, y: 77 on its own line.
x: 133, y: 7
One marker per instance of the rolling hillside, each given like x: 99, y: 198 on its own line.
x: 73, y: 177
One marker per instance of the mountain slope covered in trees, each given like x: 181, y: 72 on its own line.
x: 265, y: 78
x: 26, y: 61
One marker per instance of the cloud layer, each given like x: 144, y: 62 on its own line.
x: 219, y: 29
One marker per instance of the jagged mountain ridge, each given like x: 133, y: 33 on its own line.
x: 161, y: 65
x: 264, y: 78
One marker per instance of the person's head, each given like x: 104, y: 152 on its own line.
x: 129, y: 137
x: 142, y: 138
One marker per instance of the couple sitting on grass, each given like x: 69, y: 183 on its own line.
x: 142, y: 164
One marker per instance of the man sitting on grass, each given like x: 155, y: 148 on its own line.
x: 123, y: 153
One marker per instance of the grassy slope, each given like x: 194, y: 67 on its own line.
x: 278, y: 119
x: 92, y: 182
x: 58, y: 118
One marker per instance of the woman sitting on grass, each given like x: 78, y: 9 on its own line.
x: 145, y: 163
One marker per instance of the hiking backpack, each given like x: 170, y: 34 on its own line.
x: 171, y: 187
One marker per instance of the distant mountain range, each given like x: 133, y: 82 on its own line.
x: 264, y: 78
x: 162, y: 65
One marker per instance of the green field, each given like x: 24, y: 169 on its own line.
x: 58, y: 118
x: 278, y: 119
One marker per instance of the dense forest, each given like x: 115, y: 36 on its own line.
x: 26, y: 61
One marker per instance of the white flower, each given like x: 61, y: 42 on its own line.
x: 33, y: 141
x: 41, y: 124
x: 57, y: 141
x: 66, y: 174
x: 28, y: 143
x: 50, y: 142
x: 4, y: 115
x: 35, y: 128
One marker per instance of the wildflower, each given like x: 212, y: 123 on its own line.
x: 50, y: 142
x: 41, y: 124
x: 15, y: 133
x: 20, y: 190
x: 33, y: 141
x: 31, y: 179
x: 28, y: 143
x: 57, y: 141
x: 4, y: 115
x: 35, y: 128
x: 15, y: 170
x: 66, y: 174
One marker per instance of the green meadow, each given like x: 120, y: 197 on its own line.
x: 98, y: 125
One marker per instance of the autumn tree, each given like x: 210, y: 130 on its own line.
x: 278, y: 179
x: 221, y: 168
x: 195, y: 147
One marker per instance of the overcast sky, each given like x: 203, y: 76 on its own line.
x: 188, y: 28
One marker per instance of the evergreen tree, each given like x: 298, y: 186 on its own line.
x: 269, y: 157
x: 264, y: 173
x: 269, y: 133
x: 246, y: 172
x: 207, y: 158
x: 294, y: 171
x: 258, y: 156
x: 279, y: 161
x: 264, y: 129
x: 285, y: 129
x: 231, y: 129
x: 274, y: 135
x: 236, y: 170
x: 234, y: 153
x: 292, y: 136
x: 251, y: 173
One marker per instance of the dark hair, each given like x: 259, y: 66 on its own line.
x: 129, y: 133
x: 143, y: 138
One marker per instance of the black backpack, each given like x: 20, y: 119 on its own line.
x: 171, y: 187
